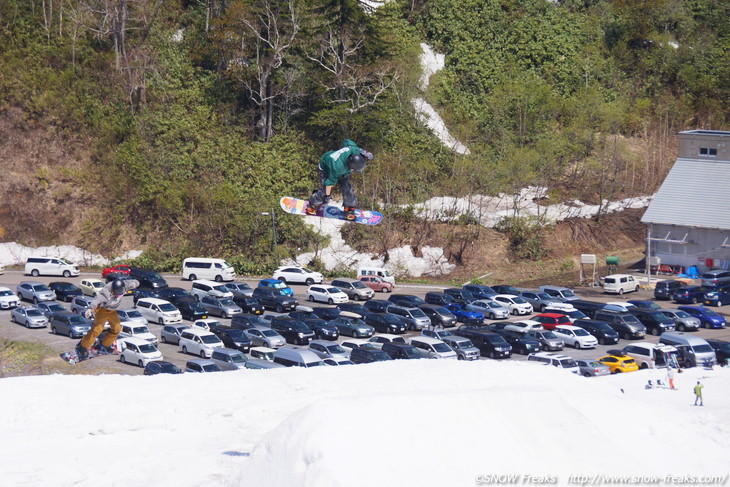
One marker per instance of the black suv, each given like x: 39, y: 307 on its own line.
x: 245, y: 321
x: 599, y: 329
x: 589, y: 308
x: 232, y: 338
x: 65, y: 290
x: 385, y: 323
x: 665, y: 289
x: 479, y: 291
x: 460, y: 295
x: 271, y: 298
x: 147, y: 277
x: 144, y: 292
x: 401, y: 351
x: 439, y: 315
x: 321, y: 328
x: 439, y: 299
x: 293, y: 330
x: 625, y: 324
x: 505, y: 289
x: 520, y: 342
x: 489, y: 344
x: 655, y: 321
x: 354, y: 308
x: 191, y: 309
x: 366, y: 355
x: 248, y: 304
x: 172, y: 294
x: 406, y: 300
x: 377, y: 305
x: 327, y: 313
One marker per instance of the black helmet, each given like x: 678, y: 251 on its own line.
x: 356, y: 162
x: 118, y: 287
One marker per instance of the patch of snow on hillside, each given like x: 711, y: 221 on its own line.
x: 12, y: 253
x: 431, y: 63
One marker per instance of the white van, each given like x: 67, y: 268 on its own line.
x: 203, y: 268
x: 50, y: 266
x: 376, y: 271
x: 200, y: 342
x: 210, y: 288
x: 619, y: 284
x: 652, y: 355
x: 159, y: 311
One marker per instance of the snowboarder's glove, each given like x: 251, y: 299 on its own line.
x: 326, y: 200
x: 367, y: 155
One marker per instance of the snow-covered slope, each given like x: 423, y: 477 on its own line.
x: 426, y: 423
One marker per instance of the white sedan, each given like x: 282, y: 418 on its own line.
x: 326, y: 294
x: 575, y: 337
x: 301, y: 275
x: 491, y: 309
x: 515, y: 304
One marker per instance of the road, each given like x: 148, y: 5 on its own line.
x: 111, y: 364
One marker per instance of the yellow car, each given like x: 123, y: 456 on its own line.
x: 90, y: 287
x: 618, y: 362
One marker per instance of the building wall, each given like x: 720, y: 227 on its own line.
x: 704, y: 243
x: 692, y: 143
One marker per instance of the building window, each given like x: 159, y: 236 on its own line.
x: 708, y: 151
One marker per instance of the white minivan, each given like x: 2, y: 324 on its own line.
x: 50, y: 266
x: 199, y: 342
x: 619, y: 284
x: 203, y: 268
x: 159, y: 311
x: 376, y: 271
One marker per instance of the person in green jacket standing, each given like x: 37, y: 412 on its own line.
x: 698, y: 393
x: 334, y: 168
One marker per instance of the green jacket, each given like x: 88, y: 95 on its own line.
x: 333, y: 162
x: 698, y: 389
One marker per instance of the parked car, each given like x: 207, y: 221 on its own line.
x: 228, y: 359
x: 161, y: 367
x: 567, y: 310
x: 505, y: 289
x: 297, y: 357
x: 489, y: 344
x: 715, y: 277
x: 656, y: 322
x: 245, y: 321
x: 464, y: 348
x: 34, y: 291
x: 201, y: 366
x: 223, y: 307
x: 50, y: 266
x: 365, y: 355
x: 618, y: 362
x: 559, y: 292
x: 460, y: 295
x: 355, y: 289
x: 48, y: 307
x: 239, y: 289
x: 356, y: 308
x: 652, y: 355
x: 353, y: 327
x: 139, y: 352
x: 480, y: 291
x: 464, y: 313
x: 293, y: 330
x: 117, y: 269
x: 377, y: 305
x: 272, y: 298
x: 589, y: 308
x: 414, y: 318
x: 433, y: 347
x: 207, y: 323
x: 69, y: 324
x: 385, y: 323
x: 550, y: 320
x: 144, y: 292
x: 8, y: 299
x: 438, y: 315
x: 690, y: 294
x: 263, y: 336
x: 439, y: 299
x: 718, y: 296
x: 232, y: 338
x: 171, y: 333
x: 522, y: 326
x: 276, y: 284
x: 547, y: 339
x: 683, y: 321
x: 174, y: 294
x: 560, y: 361
x: 708, y: 318
x: 148, y: 278
x: 377, y: 284
x: 326, y: 294
x: 665, y: 289
x: 202, y: 288
x: 600, y: 330
x: 514, y: 303
x: 299, y: 275
x: 521, y: 342
x: 262, y: 353
x: 29, y: 317
x: 65, y: 291
x: 538, y: 299
x: 722, y: 350
x: 80, y: 304
x: 137, y: 331
x: 575, y: 336
x: 625, y: 324
x: 491, y: 309
x: 191, y: 309
x: 402, y: 351
x: 249, y: 304
x: 620, y: 284
x: 197, y: 341
x: 592, y: 368
x: 322, y: 329
x: 218, y: 270
x: 692, y: 351
x: 325, y: 349
x: 159, y: 311
x: 406, y: 300
x: 379, y: 340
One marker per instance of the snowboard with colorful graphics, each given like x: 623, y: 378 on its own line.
x: 94, y: 351
x: 299, y: 207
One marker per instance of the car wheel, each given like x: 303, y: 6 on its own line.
x: 706, y: 325
x: 644, y: 366
x: 460, y: 357
x: 576, y: 345
x: 218, y: 278
x: 66, y: 274
x: 193, y: 277
x: 681, y: 327
x: 54, y: 331
x: 185, y: 349
x: 621, y: 290
x: 202, y: 354
x: 655, y: 331
x: 161, y: 322
x: 122, y: 359
x: 309, y: 281
x: 163, y: 339
x: 35, y: 273
x: 330, y: 301
x: 356, y: 297
x: 140, y: 363
x: 387, y: 290
x: 626, y: 336
x: 282, y: 279
x: 616, y: 371
x: 280, y: 308
x: 311, y: 298
x: 694, y: 300
x: 586, y: 374
x: 719, y: 303
x: 492, y: 355
x: 515, y: 312
x: 35, y: 300
x: 492, y: 316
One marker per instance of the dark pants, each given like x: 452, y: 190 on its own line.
x: 348, y: 196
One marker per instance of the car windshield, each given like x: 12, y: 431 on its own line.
x: 567, y: 293
x: 6, y: 292
x: 169, y: 368
x: 279, y: 285
x: 34, y: 312
x: 497, y: 340
x: 227, y: 302
x: 390, y: 319
x: 335, y: 349
x: 76, y: 320
x: 64, y: 286
x: 629, y: 361
x: 240, y: 286
x: 210, y: 339
x: 463, y: 344
x: 358, y: 285
x: 595, y: 364
x: 167, y: 307
x: 581, y: 332
x: 417, y: 313
x: 238, y: 358
x: 56, y: 307
x: 333, y: 290
x: 257, y: 320
x: 681, y: 314
x: 702, y: 349
x: 566, y: 364
x: 97, y: 284
x: 211, y: 368
x: 40, y: 287
x: 235, y: 334
x: 441, y: 347
x: 147, y: 348
x: 300, y: 327
x: 518, y: 300
x: 140, y: 329
x: 549, y: 335
x: 709, y: 312
x: 269, y: 333
x: 133, y: 313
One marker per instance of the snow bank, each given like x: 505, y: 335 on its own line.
x: 12, y: 253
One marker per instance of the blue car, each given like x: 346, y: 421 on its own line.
x: 464, y: 314
x: 717, y: 296
x: 277, y: 284
x: 690, y: 294
x: 707, y: 317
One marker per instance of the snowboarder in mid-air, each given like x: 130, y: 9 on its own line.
x: 104, y: 308
x: 335, y: 167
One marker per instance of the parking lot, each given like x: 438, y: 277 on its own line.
x: 111, y: 364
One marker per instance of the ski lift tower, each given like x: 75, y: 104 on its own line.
x: 588, y: 260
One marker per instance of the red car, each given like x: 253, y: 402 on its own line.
x: 550, y: 320
x: 377, y: 284
x: 119, y: 269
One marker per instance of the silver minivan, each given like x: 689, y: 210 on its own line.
x: 228, y: 359
x: 414, y: 318
x: 559, y: 292
x: 355, y: 290
x: 693, y: 350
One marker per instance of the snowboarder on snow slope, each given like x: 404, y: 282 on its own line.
x: 104, y: 308
x: 335, y: 167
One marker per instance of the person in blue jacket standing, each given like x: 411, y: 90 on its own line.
x: 335, y: 167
